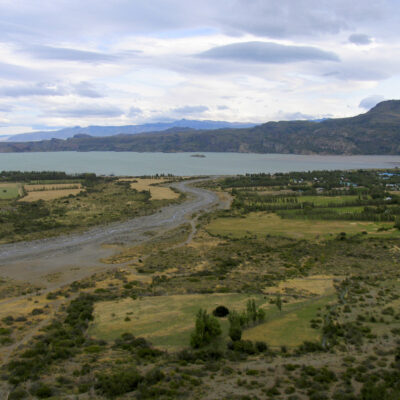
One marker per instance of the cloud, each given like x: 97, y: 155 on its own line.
x: 287, y: 18
x: 187, y: 110
x: 293, y: 116
x: 134, y: 112
x: 371, y: 101
x: 5, y: 108
x: 360, y: 39
x: 358, y: 72
x: 17, y: 72
x: 268, y: 52
x: 84, y: 111
x: 68, y: 54
x: 39, y: 89
x: 243, y: 59
x: 82, y: 89
x: 86, y: 89
x: 300, y: 18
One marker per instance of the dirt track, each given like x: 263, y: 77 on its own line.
x: 77, y: 255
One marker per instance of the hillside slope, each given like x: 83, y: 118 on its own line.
x: 125, y: 129
x: 375, y: 132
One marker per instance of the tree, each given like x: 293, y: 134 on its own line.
x: 252, y: 310
x: 235, y: 328
x: 278, y: 302
x: 235, y: 332
x: 207, y: 328
x: 260, y: 315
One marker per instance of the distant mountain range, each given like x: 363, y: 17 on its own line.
x: 126, y: 129
x: 375, y: 132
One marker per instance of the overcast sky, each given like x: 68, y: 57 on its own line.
x: 97, y: 62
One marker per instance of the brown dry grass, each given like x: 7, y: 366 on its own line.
x: 19, y: 307
x: 315, y: 285
x: 52, y: 186
x: 157, y: 192
x: 50, y: 194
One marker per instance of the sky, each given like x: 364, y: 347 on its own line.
x: 118, y: 62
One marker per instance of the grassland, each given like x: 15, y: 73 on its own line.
x: 166, y: 321
x: 262, y: 224
x: 10, y: 191
x: 319, y: 285
x: 291, y: 326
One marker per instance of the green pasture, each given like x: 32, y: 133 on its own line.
x: 262, y: 224
x: 291, y: 326
x: 325, y: 200
x: 10, y: 191
x: 166, y: 321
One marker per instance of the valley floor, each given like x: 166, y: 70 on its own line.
x: 117, y: 320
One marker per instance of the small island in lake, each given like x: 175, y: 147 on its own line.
x: 198, y: 155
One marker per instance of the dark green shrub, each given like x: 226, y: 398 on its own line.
x: 244, y: 346
x: 42, y: 391
x: 261, y: 346
x: 117, y: 383
x: 18, y: 394
x: 221, y: 311
x: 310, y: 347
x: 153, y: 376
x: 235, y: 332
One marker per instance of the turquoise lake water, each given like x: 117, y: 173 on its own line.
x: 129, y: 163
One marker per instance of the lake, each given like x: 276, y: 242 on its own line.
x: 130, y: 163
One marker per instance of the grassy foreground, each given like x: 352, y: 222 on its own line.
x: 332, y: 324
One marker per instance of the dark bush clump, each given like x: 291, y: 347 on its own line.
x: 117, y: 383
x: 42, y: 391
x: 221, y: 311
x: 18, y: 394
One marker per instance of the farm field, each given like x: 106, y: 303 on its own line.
x: 166, y: 321
x: 156, y: 192
x: 316, y: 200
x: 261, y: 224
x: 326, y: 200
x: 51, y: 191
x: 10, y: 191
